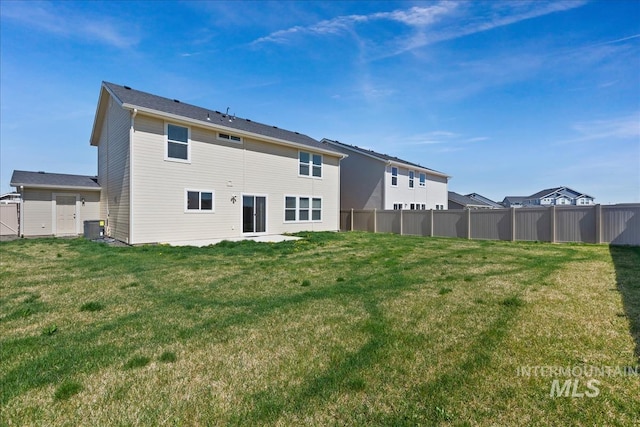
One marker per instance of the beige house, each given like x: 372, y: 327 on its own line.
x: 171, y: 171
x: 371, y: 180
x: 54, y: 204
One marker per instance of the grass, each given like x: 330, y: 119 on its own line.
x: 333, y: 329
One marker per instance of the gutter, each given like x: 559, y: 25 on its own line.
x: 418, y: 168
x: 54, y: 187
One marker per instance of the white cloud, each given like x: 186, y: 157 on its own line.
x: 626, y: 127
x: 65, y: 23
x: 442, y: 21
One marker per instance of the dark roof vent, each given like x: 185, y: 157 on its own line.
x: 127, y: 87
x: 218, y: 112
x: 248, y: 120
x: 275, y: 127
x: 42, y: 172
x: 175, y: 100
x: 297, y: 133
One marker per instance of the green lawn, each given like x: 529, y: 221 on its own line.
x: 333, y: 329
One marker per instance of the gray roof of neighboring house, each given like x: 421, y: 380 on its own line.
x: 488, y: 201
x: 381, y: 156
x: 53, y: 180
x: 514, y: 199
x: 465, y: 201
x: 135, y: 98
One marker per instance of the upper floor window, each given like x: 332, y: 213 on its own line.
x: 412, y: 175
x: 310, y: 164
x: 177, y: 142
x: 228, y: 137
x: 423, y: 179
x: 394, y: 176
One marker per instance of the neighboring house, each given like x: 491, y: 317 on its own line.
x: 458, y: 201
x: 558, y: 196
x: 485, y: 200
x: 10, y: 198
x: 170, y: 171
x: 371, y: 180
x: 513, y: 201
x: 55, y: 204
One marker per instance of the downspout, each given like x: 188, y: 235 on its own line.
x: 134, y: 113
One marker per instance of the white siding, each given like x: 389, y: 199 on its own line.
x: 229, y: 169
x: 432, y: 194
x: 113, y: 171
x: 38, y: 210
x: 37, y: 213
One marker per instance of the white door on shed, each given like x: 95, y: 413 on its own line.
x: 66, y: 215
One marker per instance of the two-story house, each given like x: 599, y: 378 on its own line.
x: 174, y: 172
x: 558, y: 196
x: 371, y: 180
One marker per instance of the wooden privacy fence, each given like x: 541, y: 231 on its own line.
x: 614, y: 224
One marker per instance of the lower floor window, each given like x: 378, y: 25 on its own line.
x: 199, y: 201
x: 302, y: 209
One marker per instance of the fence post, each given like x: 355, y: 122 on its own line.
x: 375, y: 220
x: 351, y: 225
x: 401, y: 221
x: 598, y: 223
x: 513, y: 224
x: 553, y: 223
x: 469, y: 224
x: 431, y: 234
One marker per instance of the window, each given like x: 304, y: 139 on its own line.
x: 413, y: 206
x: 303, y: 212
x: 290, y: 208
x: 302, y: 209
x: 310, y: 164
x: 228, y: 137
x: 397, y: 206
x: 423, y: 179
x: 424, y: 207
x: 394, y: 176
x: 412, y: 175
x: 177, y: 142
x: 199, y: 201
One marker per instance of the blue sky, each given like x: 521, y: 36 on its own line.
x: 507, y: 97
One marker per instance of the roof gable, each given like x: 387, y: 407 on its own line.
x: 171, y: 108
x: 383, y: 157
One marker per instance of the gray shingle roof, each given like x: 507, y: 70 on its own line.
x: 380, y: 155
x: 464, y: 200
x: 58, y: 180
x: 480, y: 197
x: 135, y: 98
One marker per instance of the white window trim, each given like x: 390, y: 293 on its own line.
x: 421, y: 183
x: 311, y: 154
x: 230, y: 135
x: 166, y: 144
x: 298, y: 220
x: 199, y: 211
x: 412, y: 181
x: 396, y: 175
